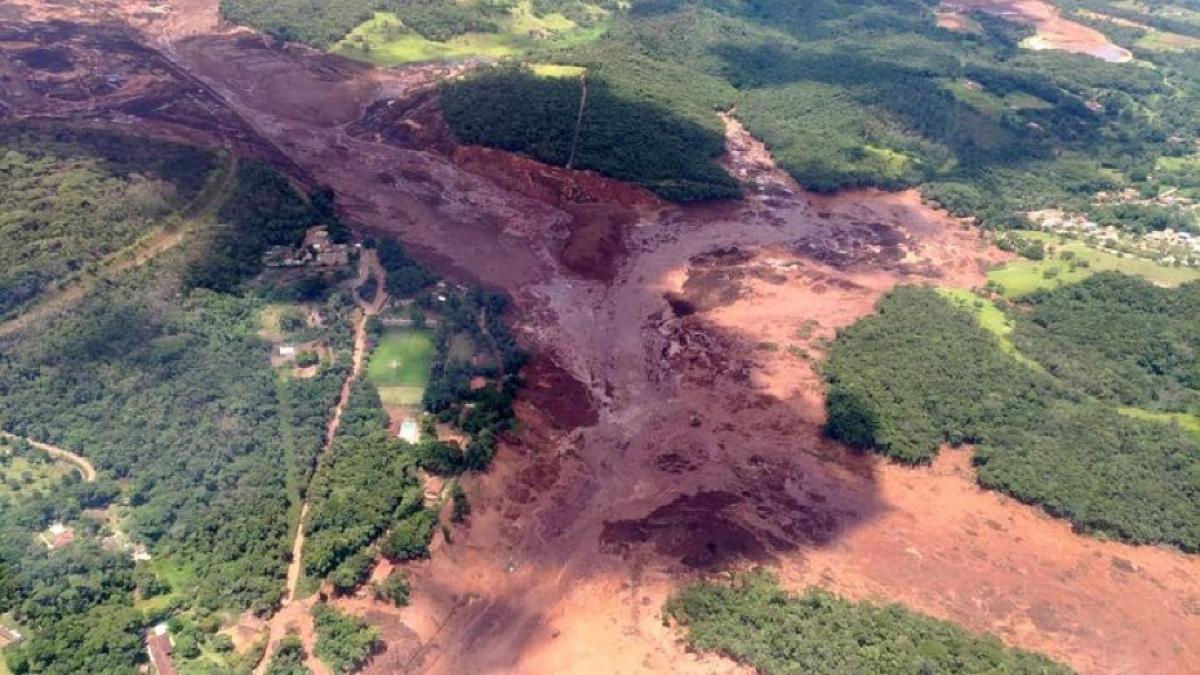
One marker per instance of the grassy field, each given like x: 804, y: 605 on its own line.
x: 1179, y: 164
x: 385, y: 40
x: 1022, y: 276
x: 269, y: 319
x: 175, y: 575
x: 1167, y: 42
x: 990, y: 318
x: 555, y: 70
x: 1184, y: 420
x: 29, y: 476
x: 990, y: 104
x: 399, y: 367
x: 1181, y: 173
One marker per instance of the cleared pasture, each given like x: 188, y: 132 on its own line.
x: 385, y: 40
x: 1023, y: 276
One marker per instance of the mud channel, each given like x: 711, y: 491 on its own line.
x: 670, y: 424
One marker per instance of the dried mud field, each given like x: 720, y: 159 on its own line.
x: 670, y: 420
x: 1053, y: 30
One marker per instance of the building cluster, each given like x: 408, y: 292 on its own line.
x: 317, y: 250
x: 1168, y: 246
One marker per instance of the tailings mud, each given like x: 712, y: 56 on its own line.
x: 671, y: 424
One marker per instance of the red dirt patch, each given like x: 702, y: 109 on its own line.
x: 1053, y: 31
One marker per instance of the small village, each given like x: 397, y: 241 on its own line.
x: 1166, y: 247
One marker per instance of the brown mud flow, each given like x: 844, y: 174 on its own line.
x: 670, y: 426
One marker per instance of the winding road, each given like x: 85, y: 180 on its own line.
x: 147, y: 248
x: 296, y: 613
x: 85, y: 467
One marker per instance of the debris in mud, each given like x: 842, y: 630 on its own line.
x: 103, y: 73
x: 563, y: 400
x: 680, y: 307
x: 412, y: 122
x: 858, y: 245
x: 596, y: 243
x: 700, y: 355
x: 674, y: 463
x: 49, y: 59
x: 697, y: 530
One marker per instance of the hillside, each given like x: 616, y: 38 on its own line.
x: 577, y: 336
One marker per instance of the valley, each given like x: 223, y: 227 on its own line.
x: 669, y: 425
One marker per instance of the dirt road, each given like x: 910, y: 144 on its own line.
x: 85, y: 467
x: 670, y: 418
x: 295, y: 615
x: 153, y: 244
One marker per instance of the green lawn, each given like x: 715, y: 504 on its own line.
x: 385, y: 40
x: 1168, y: 42
x: 399, y: 366
x: 1184, y: 164
x: 1184, y: 420
x: 981, y: 100
x: 1022, y: 276
x: 175, y: 575
x: 555, y: 70
x: 990, y: 318
x: 395, y: 396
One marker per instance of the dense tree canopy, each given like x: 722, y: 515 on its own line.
x: 170, y: 391
x: 70, y: 197
x: 343, y: 641
x: 847, y: 94
x: 756, y: 622
x: 921, y: 373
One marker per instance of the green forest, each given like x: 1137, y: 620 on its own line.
x: 921, y: 373
x: 755, y: 622
x: 364, y: 486
x: 1119, y: 339
x: 343, y: 641
x: 847, y: 94
x: 165, y: 385
x: 640, y: 142
x: 68, y: 198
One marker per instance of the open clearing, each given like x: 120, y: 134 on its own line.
x: 19, y: 477
x: 1022, y: 276
x: 385, y: 40
x: 661, y: 436
x: 81, y: 463
x: 991, y: 104
x: 1184, y: 420
x: 990, y: 317
x: 1053, y: 30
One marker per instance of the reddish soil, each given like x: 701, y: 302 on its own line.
x: 956, y: 22
x: 1053, y: 31
x: 670, y: 427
